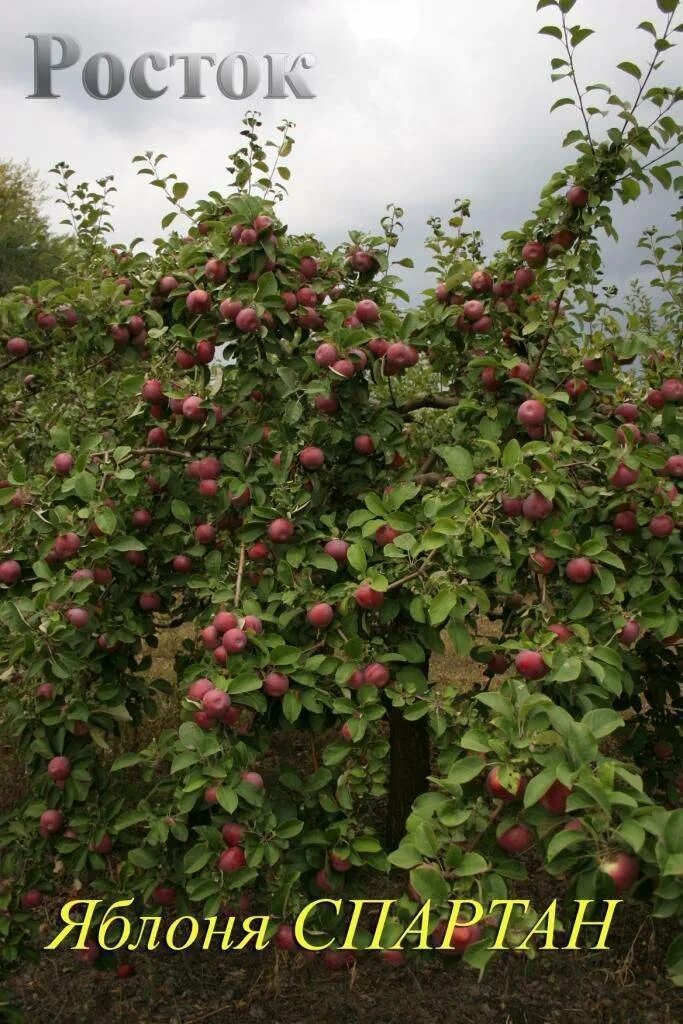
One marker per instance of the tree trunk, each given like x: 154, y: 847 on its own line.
x: 409, y: 768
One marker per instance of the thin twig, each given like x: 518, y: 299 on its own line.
x: 240, y: 573
x: 413, y: 575
x: 548, y: 336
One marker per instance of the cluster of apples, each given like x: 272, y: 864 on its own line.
x: 396, y: 356
x: 228, y: 635
x: 475, y: 317
x: 621, y: 867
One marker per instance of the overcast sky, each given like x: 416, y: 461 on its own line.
x: 418, y: 101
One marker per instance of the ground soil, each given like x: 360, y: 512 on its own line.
x: 625, y: 985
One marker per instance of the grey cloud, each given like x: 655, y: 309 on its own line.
x: 417, y: 103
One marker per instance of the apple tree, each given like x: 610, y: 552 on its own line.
x: 252, y: 435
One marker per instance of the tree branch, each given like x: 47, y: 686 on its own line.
x: 548, y: 336
x: 240, y: 573
x: 429, y: 402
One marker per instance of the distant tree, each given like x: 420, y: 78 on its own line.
x: 29, y: 250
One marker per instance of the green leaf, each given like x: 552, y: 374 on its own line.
x: 583, y: 608
x: 512, y: 454
x: 405, y: 857
x: 196, y: 858
x: 130, y: 818
x: 630, y: 69
x: 429, y: 883
x: 562, y: 840
x: 375, y: 505
x: 662, y: 175
x: 442, y: 605
x: 356, y: 558
x: 141, y: 858
x: 630, y: 188
x: 125, y: 761
x: 458, y: 460
x: 181, y: 511
x: 632, y: 834
x: 538, y: 786
x: 673, y: 832
x: 551, y: 30
x: 602, y: 721
x: 566, y: 101
x: 227, y: 798
x: 84, y: 485
x: 180, y: 189
x: 466, y: 769
x: 128, y: 544
x: 291, y: 706
x: 106, y: 521
x: 472, y: 864
x: 569, y: 670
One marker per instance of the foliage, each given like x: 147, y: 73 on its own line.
x: 224, y: 407
x: 28, y: 249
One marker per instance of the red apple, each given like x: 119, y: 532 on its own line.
x: 531, y: 413
x: 63, y: 463
x: 18, y: 348
x: 622, y: 868
x: 275, y: 684
x: 376, y: 674
x: 577, y: 196
x: 531, y: 665
x: 661, y: 526
x: 51, y: 822
x: 364, y: 444
x: 561, y: 632
x: 579, y: 570
x: 78, y: 617
x: 625, y: 521
x: 232, y: 859
x: 10, y: 572
x: 335, y: 548
x: 254, y: 779
x: 59, y: 769
x: 320, y: 615
x: 198, y: 302
x: 367, y: 311
x: 537, y: 507
x: 541, y: 563
x: 534, y: 253
x: 554, y: 800
x: 199, y: 689
x: 235, y: 641
x: 233, y: 833
x: 216, y: 271
x: 498, y: 790
x: 368, y: 598
x: 629, y: 633
x: 516, y: 839
x: 164, y: 895
x: 280, y: 531
x: 215, y: 702
x: 247, y: 320
x: 623, y: 477
x: 312, y: 458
